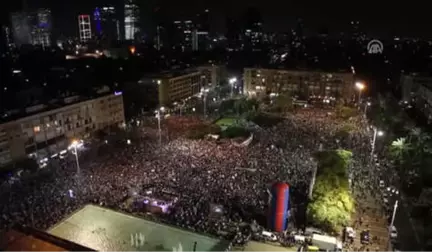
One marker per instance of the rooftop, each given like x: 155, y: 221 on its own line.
x: 26, y: 238
x: 15, y: 114
x: 103, y: 229
x: 173, y: 73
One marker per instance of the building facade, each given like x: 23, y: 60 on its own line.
x: 212, y: 75
x: 44, y: 131
x: 259, y: 81
x: 166, y: 88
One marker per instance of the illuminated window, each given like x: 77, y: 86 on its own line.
x: 36, y: 129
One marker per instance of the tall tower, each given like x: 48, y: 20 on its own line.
x: 132, y: 14
x: 84, y: 26
x: 41, y: 28
x: 97, y: 19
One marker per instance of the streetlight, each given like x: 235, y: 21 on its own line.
x: 368, y: 104
x: 360, y: 86
x: 158, y: 116
x: 376, y: 133
x: 232, y: 81
x: 204, y: 94
x: 74, y: 145
x: 394, y: 215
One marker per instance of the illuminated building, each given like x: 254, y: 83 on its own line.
x: 97, y: 20
x: 184, y: 33
x: 45, y: 129
x: 32, y: 27
x: 253, y: 33
x: 166, y: 88
x: 84, y: 26
x: 41, y: 32
x: 259, y: 81
x: 212, y: 75
x: 106, y: 22
x: 131, y: 22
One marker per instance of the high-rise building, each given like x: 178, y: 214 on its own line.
x: 41, y: 32
x: 183, y: 34
x: 21, y: 29
x: 107, y: 24
x: 5, y: 37
x: 203, y: 21
x: 131, y: 22
x: 233, y: 32
x: 84, y: 26
x: 253, y: 25
x: 32, y: 27
x: 97, y: 21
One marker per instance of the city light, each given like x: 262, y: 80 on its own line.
x: 132, y: 49
x: 232, y: 80
x: 360, y: 86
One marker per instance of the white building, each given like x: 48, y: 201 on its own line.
x: 132, y: 14
x: 43, y: 130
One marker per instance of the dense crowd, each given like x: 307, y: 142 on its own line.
x: 199, y: 172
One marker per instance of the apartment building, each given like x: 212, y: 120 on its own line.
x: 43, y: 130
x: 260, y: 81
x: 166, y: 88
x: 212, y: 75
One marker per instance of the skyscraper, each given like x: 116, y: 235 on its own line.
x: 84, y: 26
x: 32, y: 27
x: 183, y: 34
x: 253, y: 28
x: 41, y: 28
x: 106, y: 22
x: 131, y: 21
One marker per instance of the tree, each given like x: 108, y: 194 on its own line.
x: 243, y: 105
x: 399, y: 148
x: 332, y: 203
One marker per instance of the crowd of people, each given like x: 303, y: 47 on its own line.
x: 200, y: 173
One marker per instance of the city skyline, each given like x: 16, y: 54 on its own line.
x: 378, y: 19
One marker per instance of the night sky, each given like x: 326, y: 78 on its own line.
x: 399, y: 18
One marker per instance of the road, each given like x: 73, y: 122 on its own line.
x: 408, y: 237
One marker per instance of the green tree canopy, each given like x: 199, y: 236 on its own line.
x: 332, y: 203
